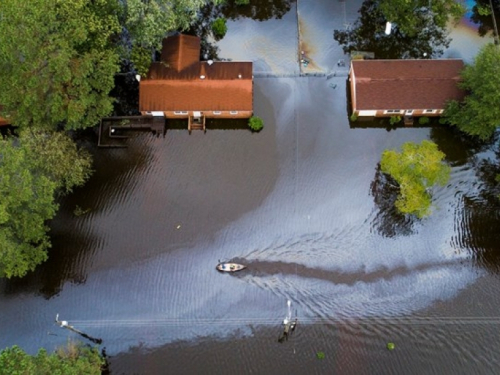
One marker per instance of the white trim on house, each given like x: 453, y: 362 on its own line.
x: 367, y: 113
x: 158, y: 113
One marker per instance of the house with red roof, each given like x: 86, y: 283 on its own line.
x: 406, y: 88
x: 180, y: 86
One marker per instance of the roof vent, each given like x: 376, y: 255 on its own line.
x: 239, y: 76
x: 210, y: 62
x: 202, y: 77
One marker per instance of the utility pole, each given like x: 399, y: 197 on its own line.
x: 495, y: 37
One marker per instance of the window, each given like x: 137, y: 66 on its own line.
x: 217, y: 112
x: 233, y: 112
x: 430, y: 111
x: 180, y: 113
x: 393, y: 111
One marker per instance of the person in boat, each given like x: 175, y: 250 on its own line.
x: 288, y: 330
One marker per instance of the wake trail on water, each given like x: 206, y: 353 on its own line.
x: 375, y: 321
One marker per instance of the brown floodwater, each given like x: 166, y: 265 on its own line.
x: 303, y: 205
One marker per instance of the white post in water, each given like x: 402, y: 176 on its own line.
x: 388, y: 27
x: 289, y: 315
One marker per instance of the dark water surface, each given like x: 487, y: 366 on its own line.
x: 301, y: 204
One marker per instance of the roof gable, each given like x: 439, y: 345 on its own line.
x: 180, y: 51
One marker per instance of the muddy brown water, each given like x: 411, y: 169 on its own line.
x: 300, y: 203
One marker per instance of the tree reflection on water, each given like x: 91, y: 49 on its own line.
x: 485, y: 21
x: 478, y: 221
x: 368, y: 34
x: 388, y: 222
x: 259, y: 10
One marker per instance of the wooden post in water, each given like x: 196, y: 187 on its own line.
x: 64, y: 324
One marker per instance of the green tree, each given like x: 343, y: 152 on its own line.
x: 404, y: 13
x: 57, y: 61
x: 479, y: 114
x: 33, y: 169
x: 417, y: 168
x: 368, y: 34
x: 219, y: 28
x: 149, y: 21
x: 74, y: 359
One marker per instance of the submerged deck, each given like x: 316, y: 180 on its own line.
x: 112, y: 130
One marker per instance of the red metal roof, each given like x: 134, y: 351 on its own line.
x: 180, y: 51
x: 406, y: 84
x: 179, y: 83
x: 199, y: 95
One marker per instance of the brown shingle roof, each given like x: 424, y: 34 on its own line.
x: 406, y: 84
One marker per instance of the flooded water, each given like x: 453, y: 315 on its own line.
x: 300, y: 203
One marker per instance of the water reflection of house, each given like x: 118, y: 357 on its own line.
x: 384, y: 88
x: 181, y: 86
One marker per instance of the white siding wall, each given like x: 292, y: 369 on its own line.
x: 367, y: 113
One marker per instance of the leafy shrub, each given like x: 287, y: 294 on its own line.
x: 353, y: 117
x: 255, y: 123
x: 219, y: 28
x: 394, y: 120
x: 423, y: 120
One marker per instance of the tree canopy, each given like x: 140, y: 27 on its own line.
x: 479, y: 114
x: 58, y: 61
x: 407, y: 14
x: 428, y: 40
x: 148, y: 21
x: 33, y: 169
x: 417, y: 168
x: 75, y: 359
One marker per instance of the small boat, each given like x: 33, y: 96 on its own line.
x: 229, y: 267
